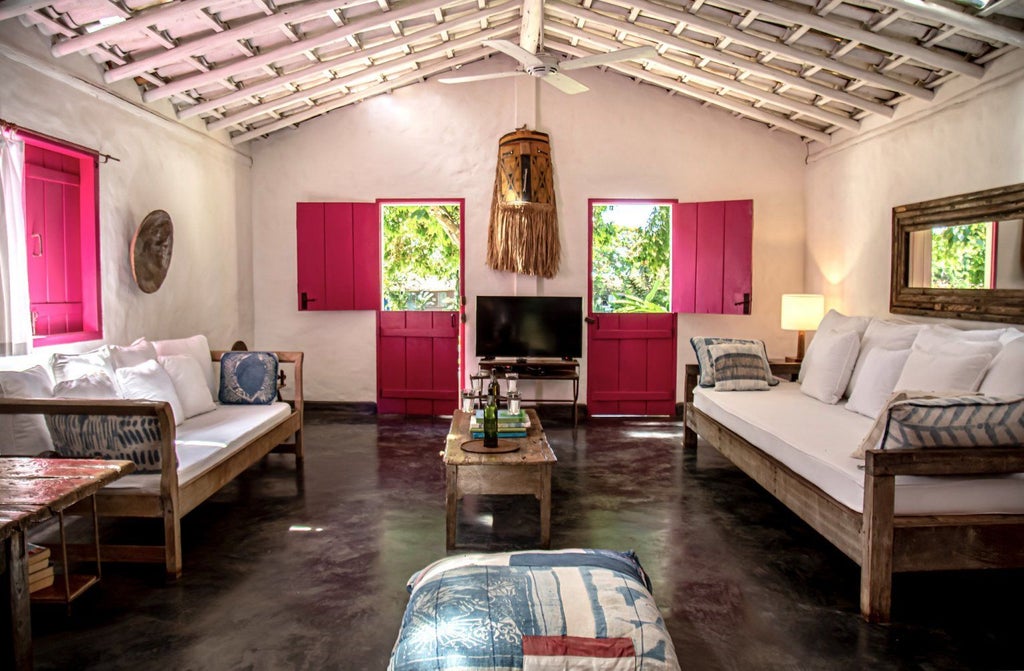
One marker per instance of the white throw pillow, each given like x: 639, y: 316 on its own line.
x: 125, y: 357
x: 934, y: 336
x: 1010, y: 334
x: 150, y: 382
x: 196, y: 347
x: 90, y: 387
x: 829, y: 372
x: 71, y: 366
x: 1005, y: 376
x: 880, y: 370
x: 25, y: 435
x: 943, y: 372
x: 189, y: 383
x: 832, y: 321
x: 884, y: 335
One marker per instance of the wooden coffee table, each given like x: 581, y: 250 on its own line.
x: 525, y: 471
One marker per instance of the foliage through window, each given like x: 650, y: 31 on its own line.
x: 421, y: 257
x: 631, y: 253
x: 960, y: 256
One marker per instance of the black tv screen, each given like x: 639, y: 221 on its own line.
x: 529, y: 326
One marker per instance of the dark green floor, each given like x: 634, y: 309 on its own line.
x: 277, y: 579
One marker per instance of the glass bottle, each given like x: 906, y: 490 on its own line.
x: 491, y: 414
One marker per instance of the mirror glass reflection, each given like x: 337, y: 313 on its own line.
x: 980, y: 255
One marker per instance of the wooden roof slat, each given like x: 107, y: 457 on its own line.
x: 974, y: 24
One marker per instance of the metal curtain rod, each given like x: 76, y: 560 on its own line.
x: 10, y: 126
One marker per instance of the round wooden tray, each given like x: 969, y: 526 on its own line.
x: 477, y: 446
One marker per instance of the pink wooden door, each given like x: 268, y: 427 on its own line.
x: 338, y: 256
x: 417, y: 362
x: 631, y: 364
x: 418, y: 352
x: 711, y: 257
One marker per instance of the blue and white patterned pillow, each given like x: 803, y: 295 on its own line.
x: 740, y: 367
x: 706, y: 362
x: 248, y: 378
x: 132, y: 438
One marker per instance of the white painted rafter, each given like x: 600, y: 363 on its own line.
x: 974, y: 24
x: 10, y: 9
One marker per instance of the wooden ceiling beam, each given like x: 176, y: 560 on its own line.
x: 132, y: 26
x: 714, y: 80
x: 872, y: 39
x: 731, y: 60
x: 763, y: 44
x: 377, y: 70
x: 974, y: 24
x: 750, y: 111
x: 291, y: 14
x: 383, y: 87
x: 14, y: 8
x: 530, y: 31
x: 318, y: 68
x: 243, y: 65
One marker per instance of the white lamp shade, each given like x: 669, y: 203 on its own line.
x: 802, y: 312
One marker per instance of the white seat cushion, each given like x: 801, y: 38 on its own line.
x: 815, y: 440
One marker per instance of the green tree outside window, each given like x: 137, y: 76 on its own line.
x: 631, y: 250
x: 421, y: 257
x: 958, y: 256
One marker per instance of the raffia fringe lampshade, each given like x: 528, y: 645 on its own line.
x: 523, y: 232
x: 801, y: 312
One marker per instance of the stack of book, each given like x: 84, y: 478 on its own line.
x: 509, y: 426
x: 40, y: 570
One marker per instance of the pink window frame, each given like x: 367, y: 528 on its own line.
x: 92, y: 301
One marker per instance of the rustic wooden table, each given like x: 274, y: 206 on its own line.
x: 31, y: 491
x: 525, y: 471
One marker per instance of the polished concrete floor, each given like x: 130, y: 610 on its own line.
x: 278, y: 578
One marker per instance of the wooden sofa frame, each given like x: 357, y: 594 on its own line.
x: 174, y: 500
x: 881, y: 542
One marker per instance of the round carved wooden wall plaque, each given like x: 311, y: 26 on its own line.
x: 151, y: 250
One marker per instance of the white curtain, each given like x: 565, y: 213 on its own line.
x: 15, y: 313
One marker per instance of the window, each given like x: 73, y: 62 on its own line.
x: 62, y: 235
x: 631, y: 257
x: 420, y: 269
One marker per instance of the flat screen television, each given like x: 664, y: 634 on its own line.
x: 529, y: 326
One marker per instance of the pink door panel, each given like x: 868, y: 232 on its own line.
x: 711, y: 257
x: 338, y: 256
x: 338, y: 253
x: 737, y: 253
x: 631, y: 364
x: 417, y: 362
x: 310, y: 260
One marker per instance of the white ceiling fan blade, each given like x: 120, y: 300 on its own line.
x: 478, y: 78
x: 610, y: 57
x: 564, y: 84
x: 515, y: 51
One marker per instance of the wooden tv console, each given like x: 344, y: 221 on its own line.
x: 538, y: 369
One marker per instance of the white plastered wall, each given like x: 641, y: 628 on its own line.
x: 972, y: 138
x: 203, y: 183
x: 619, y: 140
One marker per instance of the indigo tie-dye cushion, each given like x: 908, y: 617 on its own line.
x: 248, y: 378
x: 740, y: 367
x: 706, y: 362
x: 134, y: 438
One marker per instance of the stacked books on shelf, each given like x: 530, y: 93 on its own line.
x: 509, y: 426
x: 40, y: 570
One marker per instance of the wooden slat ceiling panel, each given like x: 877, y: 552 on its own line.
x: 254, y: 67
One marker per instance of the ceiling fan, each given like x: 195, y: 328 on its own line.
x: 548, y: 68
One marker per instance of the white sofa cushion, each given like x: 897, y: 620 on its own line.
x: 150, y: 382
x: 936, y: 335
x: 96, y: 385
x: 25, y: 434
x: 832, y: 321
x: 816, y: 440
x: 880, y: 371
x: 206, y: 440
x: 132, y: 355
x: 943, y: 372
x: 1010, y: 334
x: 196, y: 347
x: 1005, y: 374
x: 829, y: 373
x: 189, y: 383
x: 71, y: 366
x: 884, y: 335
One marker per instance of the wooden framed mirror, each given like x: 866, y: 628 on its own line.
x: 960, y: 257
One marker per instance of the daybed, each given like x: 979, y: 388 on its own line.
x: 186, y: 464
x: 898, y: 510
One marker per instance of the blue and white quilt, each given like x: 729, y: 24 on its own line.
x: 535, y: 611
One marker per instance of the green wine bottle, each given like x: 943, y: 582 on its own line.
x: 491, y: 414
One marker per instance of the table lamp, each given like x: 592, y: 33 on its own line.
x: 800, y: 313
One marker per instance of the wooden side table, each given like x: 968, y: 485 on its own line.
x: 31, y: 491
x: 525, y: 471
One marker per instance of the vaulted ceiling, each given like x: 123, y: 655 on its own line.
x: 254, y: 67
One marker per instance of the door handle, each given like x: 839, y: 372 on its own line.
x: 590, y: 320
x: 453, y: 320
x: 305, y: 300
x: 745, y: 303
x: 464, y: 318
x: 38, y: 237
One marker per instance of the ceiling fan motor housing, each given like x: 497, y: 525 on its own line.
x: 548, y: 66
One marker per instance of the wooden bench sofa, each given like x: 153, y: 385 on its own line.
x: 173, y: 499
x: 877, y: 539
